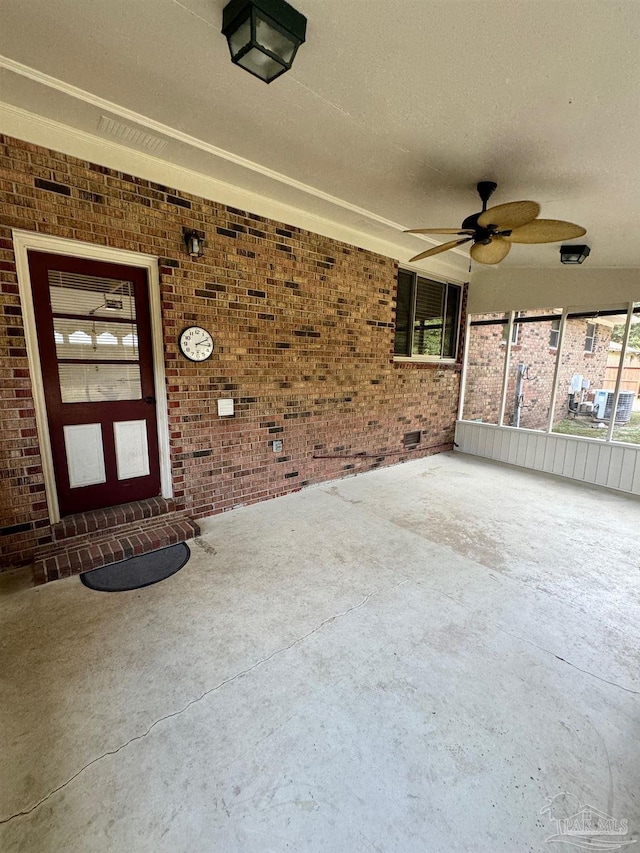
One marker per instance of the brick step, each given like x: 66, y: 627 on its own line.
x: 109, y: 517
x: 87, y: 551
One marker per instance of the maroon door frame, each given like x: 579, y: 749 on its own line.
x: 59, y: 414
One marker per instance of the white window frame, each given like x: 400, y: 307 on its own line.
x: 591, y: 338
x: 515, y: 329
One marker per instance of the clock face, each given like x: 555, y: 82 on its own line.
x: 196, y: 343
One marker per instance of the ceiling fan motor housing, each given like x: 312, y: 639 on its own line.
x: 485, y: 191
x: 482, y: 235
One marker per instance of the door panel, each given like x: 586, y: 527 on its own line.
x: 84, y: 450
x: 132, y: 452
x: 94, y: 337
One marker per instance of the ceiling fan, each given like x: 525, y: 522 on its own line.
x: 494, y: 230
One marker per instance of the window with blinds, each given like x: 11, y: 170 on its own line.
x: 590, y: 338
x: 96, y: 337
x: 427, y: 317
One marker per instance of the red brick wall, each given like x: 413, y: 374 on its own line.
x: 303, y: 329
x: 591, y: 366
x: 532, y: 350
x: 486, y: 361
x: 485, y: 365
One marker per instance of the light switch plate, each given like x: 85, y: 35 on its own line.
x: 225, y: 408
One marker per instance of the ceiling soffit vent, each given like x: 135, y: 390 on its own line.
x: 131, y: 135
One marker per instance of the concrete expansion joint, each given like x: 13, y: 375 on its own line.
x: 329, y: 620
x: 535, y: 645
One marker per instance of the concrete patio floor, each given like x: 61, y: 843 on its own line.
x: 412, y: 660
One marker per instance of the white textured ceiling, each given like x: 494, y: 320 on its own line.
x: 391, y: 114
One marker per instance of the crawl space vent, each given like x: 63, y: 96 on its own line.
x: 131, y: 135
x: 411, y: 439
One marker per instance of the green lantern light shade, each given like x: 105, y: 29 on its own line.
x: 263, y: 35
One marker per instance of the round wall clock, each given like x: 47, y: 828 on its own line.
x: 195, y: 343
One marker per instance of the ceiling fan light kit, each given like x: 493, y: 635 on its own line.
x: 574, y: 254
x: 263, y: 35
x: 493, y: 230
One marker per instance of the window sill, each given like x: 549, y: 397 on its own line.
x: 425, y: 361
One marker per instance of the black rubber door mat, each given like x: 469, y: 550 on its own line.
x: 137, y: 572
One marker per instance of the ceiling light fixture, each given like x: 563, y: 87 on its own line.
x: 263, y: 35
x: 573, y: 254
x: 194, y: 241
x: 111, y: 303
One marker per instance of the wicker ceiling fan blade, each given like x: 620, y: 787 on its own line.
x: 514, y: 214
x: 490, y: 253
x: 439, y: 231
x: 437, y: 249
x: 545, y: 231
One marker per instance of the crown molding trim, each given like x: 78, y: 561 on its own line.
x: 50, y: 133
x: 166, y: 130
x: 14, y: 121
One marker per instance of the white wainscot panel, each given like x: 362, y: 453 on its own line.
x: 523, y: 443
x: 85, y: 454
x: 559, y: 456
x: 132, y: 451
x: 630, y: 461
x: 580, y: 464
x: 482, y: 445
x: 615, y: 466
x: 635, y: 487
x: 602, y: 468
x: 514, y: 445
x: 570, y: 459
x: 549, y: 453
x: 591, y: 466
x: 505, y: 444
x: 529, y: 453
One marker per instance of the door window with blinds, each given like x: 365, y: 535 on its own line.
x: 96, y: 340
x: 427, y: 318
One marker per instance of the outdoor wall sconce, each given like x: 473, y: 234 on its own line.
x: 573, y: 254
x: 263, y: 35
x: 194, y: 241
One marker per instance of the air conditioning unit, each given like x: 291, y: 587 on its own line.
x: 603, y: 403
